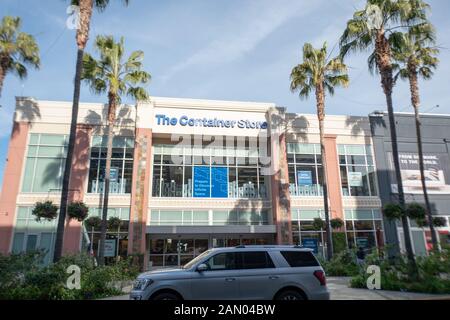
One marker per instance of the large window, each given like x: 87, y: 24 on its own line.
x: 44, y: 163
x: 121, y: 165
x: 208, y: 172
x: 303, y: 231
x: 305, y: 169
x: 32, y: 235
x: 358, y: 175
x: 364, y: 228
x: 117, y: 237
x: 208, y: 217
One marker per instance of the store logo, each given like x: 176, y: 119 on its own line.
x: 163, y: 120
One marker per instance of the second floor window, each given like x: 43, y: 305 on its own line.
x: 358, y: 175
x: 121, y: 165
x: 305, y: 169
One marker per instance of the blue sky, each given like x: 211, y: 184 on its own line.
x: 214, y: 49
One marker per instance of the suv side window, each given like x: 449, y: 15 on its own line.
x: 300, y: 258
x: 256, y: 260
x: 222, y: 261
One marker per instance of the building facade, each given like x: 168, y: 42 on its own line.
x: 436, y: 149
x: 188, y: 175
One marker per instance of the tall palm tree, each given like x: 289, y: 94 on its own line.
x: 320, y: 74
x: 376, y: 28
x: 17, y: 49
x: 82, y: 35
x: 415, y: 57
x: 115, y: 75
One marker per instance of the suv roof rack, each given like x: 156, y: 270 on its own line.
x: 269, y: 246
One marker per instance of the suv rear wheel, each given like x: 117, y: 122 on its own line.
x: 288, y: 295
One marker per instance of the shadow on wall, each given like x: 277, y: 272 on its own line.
x: 361, y: 126
x: 124, y: 120
x: 293, y: 125
x: 26, y: 111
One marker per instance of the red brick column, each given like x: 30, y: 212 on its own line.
x: 281, y: 199
x: 140, y: 193
x: 78, y: 178
x: 333, y: 177
x: 11, y: 183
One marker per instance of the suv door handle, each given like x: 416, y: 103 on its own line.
x: 273, y: 277
x: 230, y: 279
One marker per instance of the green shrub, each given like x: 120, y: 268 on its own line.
x: 343, y: 264
x: 395, y: 274
x: 24, y: 277
x: 339, y: 242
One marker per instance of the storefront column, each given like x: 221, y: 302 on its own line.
x: 140, y: 194
x: 11, y: 183
x: 281, y: 200
x: 78, y: 177
x: 333, y: 178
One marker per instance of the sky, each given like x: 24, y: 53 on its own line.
x: 215, y: 49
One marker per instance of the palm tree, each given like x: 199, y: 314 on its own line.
x: 416, y: 57
x: 378, y: 27
x: 320, y: 74
x: 82, y: 36
x: 115, y: 75
x: 17, y: 49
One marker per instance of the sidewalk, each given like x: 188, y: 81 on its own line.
x: 339, y: 290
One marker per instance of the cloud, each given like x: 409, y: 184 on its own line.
x: 250, y: 27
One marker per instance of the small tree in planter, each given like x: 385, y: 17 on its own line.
x: 393, y: 211
x: 318, y: 224
x: 78, y: 211
x: 415, y: 212
x: 93, y: 222
x: 336, y: 223
x: 45, y: 210
x: 115, y: 223
x: 439, y: 222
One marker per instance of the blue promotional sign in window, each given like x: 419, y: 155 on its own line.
x: 219, y: 182
x: 304, y: 178
x: 310, y: 243
x: 202, y: 182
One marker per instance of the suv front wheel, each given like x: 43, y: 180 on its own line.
x: 288, y: 295
x: 165, y: 296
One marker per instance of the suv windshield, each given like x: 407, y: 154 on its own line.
x: 196, y: 259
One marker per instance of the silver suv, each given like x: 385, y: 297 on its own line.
x: 243, y: 272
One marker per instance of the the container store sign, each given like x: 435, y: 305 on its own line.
x: 210, y: 182
x: 206, y: 122
x: 437, y: 173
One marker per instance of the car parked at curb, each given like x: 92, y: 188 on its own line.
x: 239, y: 273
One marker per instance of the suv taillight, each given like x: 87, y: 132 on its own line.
x: 320, y: 275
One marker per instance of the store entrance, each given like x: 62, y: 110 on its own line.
x: 166, y: 251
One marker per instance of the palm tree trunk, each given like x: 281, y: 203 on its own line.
x: 320, y: 98
x: 86, y: 7
x: 111, y: 120
x: 2, y: 78
x: 383, y: 56
x: 415, y: 100
x: 68, y: 163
